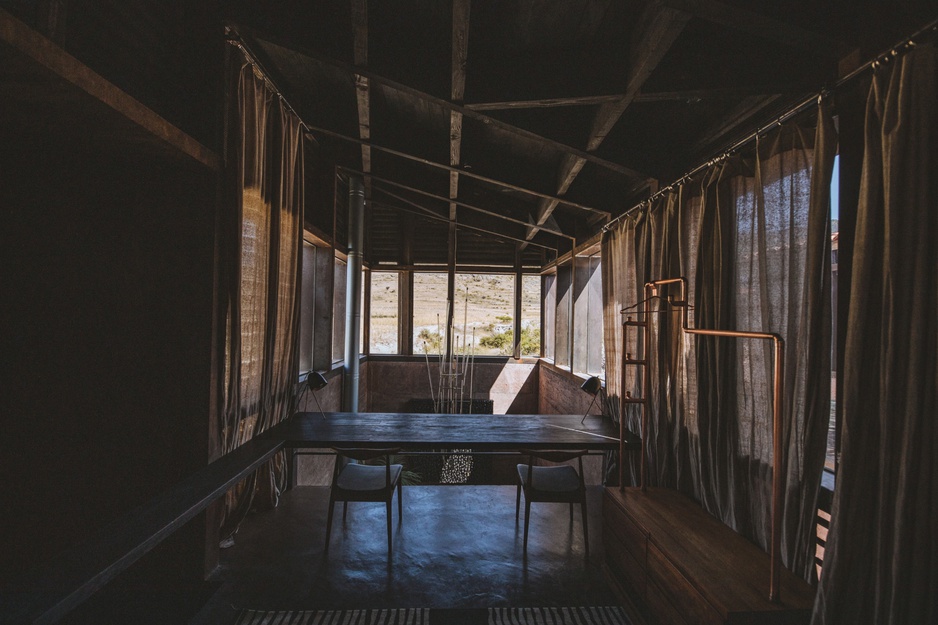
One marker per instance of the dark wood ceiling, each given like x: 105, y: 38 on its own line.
x: 542, y: 119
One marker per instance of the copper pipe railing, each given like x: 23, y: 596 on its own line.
x: 778, y: 347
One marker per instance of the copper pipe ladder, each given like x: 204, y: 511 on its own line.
x: 778, y: 348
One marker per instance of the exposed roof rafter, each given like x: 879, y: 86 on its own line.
x: 434, y: 196
x: 657, y: 31
x: 744, y: 20
x: 457, y: 170
x: 250, y: 37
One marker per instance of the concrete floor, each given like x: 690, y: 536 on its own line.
x: 458, y: 547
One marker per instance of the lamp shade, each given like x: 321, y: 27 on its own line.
x: 592, y: 385
x: 316, y: 381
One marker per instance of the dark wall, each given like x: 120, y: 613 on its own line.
x: 106, y: 335
x: 559, y: 393
x: 106, y: 287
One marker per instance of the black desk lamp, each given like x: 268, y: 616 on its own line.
x: 593, y: 386
x: 316, y: 381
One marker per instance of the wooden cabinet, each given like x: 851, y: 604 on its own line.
x: 684, y: 566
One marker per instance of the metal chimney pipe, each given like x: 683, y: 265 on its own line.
x: 353, y: 292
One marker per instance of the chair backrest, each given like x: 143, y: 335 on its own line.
x: 362, y: 454
x: 555, y: 456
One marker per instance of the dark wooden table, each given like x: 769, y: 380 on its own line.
x: 479, y: 432
x: 421, y: 433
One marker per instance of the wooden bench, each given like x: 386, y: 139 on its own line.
x: 688, y: 567
x: 47, y: 594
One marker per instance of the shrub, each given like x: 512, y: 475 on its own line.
x: 504, y: 341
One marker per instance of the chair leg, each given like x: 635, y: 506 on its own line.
x: 586, y: 529
x: 527, y: 520
x: 517, y: 503
x: 400, y: 503
x: 329, y: 523
x: 389, y: 525
x: 344, y: 511
x: 571, y: 512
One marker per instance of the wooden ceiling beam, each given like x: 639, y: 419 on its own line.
x: 457, y: 92
x: 359, y: 15
x: 742, y: 19
x: 739, y: 116
x: 249, y: 37
x: 458, y: 170
x: 688, y: 95
x: 429, y: 213
x: 659, y: 27
x: 484, y: 211
x: 585, y: 100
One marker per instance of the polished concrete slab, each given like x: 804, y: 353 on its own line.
x: 458, y: 547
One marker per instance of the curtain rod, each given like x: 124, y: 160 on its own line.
x: 901, y: 47
x: 234, y: 39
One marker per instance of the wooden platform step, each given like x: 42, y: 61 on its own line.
x: 688, y: 567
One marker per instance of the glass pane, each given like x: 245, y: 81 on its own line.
x: 338, y: 311
x: 429, y: 313
x: 483, y: 317
x: 384, y: 311
x: 596, y: 354
x: 830, y: 458
x: 307, y: 307
x: 549, y: 302
x: 564, y: 307
x: 530, y: 315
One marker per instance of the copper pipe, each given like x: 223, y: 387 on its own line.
x: 650, y: 290
x: 778, y: 347
x: 621, y: 471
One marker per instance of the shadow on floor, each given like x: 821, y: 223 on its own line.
x: 458, y: 547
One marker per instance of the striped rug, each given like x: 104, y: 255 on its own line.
x: 411, y: 616
x: 593, y: 615
x: 586, y: 615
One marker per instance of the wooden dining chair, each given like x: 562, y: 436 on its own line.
x: 353, y: 481
x: 560, y: 483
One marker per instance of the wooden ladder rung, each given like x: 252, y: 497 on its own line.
x: 634, y: 361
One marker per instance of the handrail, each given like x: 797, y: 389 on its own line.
x: 778, y: 346
x: 48, y: 594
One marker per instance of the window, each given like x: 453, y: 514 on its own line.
x: 549, y: 304
x: 308, y: 307
x: 573, y: 315
x: 830, y: 460
x: 563, y: 313
x: 338, y: 310
x: 384, y: 312
x: 588, y: 348
x: 483, y: 321
x: 429, y: 313
x: 530, y: 315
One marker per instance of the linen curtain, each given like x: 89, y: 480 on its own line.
x: 260, y: 244
x: 881, y: 560
x: 752, y: 237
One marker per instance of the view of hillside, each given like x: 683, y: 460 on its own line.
x: 483, y: 313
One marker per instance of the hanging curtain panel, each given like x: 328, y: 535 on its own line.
x: 260, y: 241
x: 881, y: 560
x: 752, y: 237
